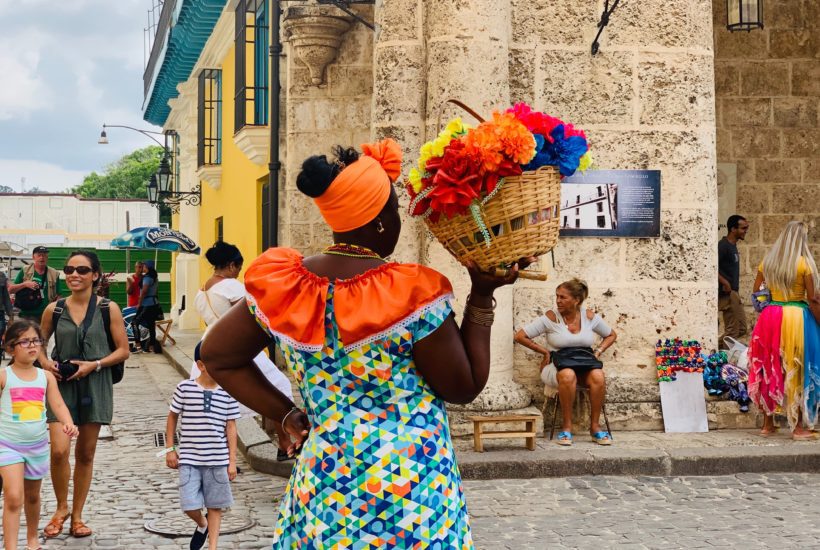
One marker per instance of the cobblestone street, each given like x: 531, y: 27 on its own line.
x: 132, y: 486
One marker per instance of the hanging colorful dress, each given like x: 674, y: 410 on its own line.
x: 784, y: 355
x: 378, y: 468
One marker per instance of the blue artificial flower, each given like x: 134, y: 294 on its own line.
x: 563, y: 152
x: 568, y: 151
x: 542, y: 157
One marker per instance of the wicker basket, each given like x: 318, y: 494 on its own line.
x: 522, y: 218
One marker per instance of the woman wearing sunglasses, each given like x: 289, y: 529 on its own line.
x: 81, y: 360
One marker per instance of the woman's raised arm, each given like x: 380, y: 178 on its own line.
x: 456, y: 361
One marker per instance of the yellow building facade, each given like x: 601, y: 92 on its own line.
x: 231, y: 167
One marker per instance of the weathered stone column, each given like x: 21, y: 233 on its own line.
x: 328, y: 95
x: 426, y: 53
x: 399, y: 97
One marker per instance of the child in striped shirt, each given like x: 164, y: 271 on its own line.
x: 206, y: 457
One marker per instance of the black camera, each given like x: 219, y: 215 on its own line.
x: 67, y: 369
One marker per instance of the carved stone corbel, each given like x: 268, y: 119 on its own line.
x: 315, y: 37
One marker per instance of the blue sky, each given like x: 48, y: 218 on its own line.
x: 67, y: 67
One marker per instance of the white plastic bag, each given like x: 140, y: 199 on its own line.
x: 549, y: 376
x: 738, y: 353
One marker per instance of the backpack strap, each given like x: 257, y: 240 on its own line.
x: 105, y: 311
x: 59, y: 308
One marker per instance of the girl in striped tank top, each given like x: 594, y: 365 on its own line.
x: 24, y: 450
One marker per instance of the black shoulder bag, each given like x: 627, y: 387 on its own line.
x: 118, y: 370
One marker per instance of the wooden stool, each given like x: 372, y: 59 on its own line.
x: 164, y: 327
x: 529, y: 433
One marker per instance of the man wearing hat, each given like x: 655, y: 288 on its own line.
x: 36, y: 285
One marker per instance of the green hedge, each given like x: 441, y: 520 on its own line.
x: 114, y: 260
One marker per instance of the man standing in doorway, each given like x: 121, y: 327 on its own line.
x: 734, y: 318
x: 35, y: 286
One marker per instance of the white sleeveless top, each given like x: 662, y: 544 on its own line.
x: 559, y: 336
x: 215, y: 302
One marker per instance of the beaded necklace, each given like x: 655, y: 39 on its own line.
x: 352, y: 251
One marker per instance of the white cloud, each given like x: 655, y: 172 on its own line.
x: 7, y: 6
x: 46, y: 176
x: 24, y: 90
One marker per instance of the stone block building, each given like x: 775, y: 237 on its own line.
x: 670, y: 89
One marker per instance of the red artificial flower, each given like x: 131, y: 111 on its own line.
x: 458, y: 167
x: 450, y: 199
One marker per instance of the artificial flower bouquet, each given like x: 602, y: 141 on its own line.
x: 467, y: 171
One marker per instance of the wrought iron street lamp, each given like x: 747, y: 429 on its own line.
x: 744, y: 15
x: 153, y: 190
x: 159, y: 188
x: 164, y: 175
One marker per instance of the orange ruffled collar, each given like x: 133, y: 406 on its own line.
x: 289, y: 301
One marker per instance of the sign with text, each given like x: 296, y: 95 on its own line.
x: 611, y: 203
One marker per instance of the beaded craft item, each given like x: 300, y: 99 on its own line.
x: 677, y: 355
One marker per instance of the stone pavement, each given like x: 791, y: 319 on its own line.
x: 132, y: 486
x: 747, y: 511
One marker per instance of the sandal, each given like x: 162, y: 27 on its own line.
x: 811, y: 436
x: 768, y: 433
x: 55, y: 526
x: 79, y: 530
x: 564, y: 438
x: 602, y: 438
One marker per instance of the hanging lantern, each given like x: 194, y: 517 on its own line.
x: 153, y: 195
x: 744, y: 15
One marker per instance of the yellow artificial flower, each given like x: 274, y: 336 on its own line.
x: 456, y: 127
x: 425, y: 154
x: 415, y: 180
x: 585, y: 162
x: 442, y: 141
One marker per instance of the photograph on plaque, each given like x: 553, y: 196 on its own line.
x: 611, y: 203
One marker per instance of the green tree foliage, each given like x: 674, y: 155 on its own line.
x: 125, y: 179
x: 6, y: 189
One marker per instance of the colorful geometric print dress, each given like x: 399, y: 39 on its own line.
x: 378, y: 468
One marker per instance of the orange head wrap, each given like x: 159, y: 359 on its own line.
x: 361, y: 190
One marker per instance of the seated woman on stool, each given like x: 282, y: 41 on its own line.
x: 570, y: 337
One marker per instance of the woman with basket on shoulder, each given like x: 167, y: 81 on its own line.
x: 85, y: 351
x: 376, y: 351
x: 784, y: 349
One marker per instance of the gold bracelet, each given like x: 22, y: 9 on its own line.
x: 479, y: 315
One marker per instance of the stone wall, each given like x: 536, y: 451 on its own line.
x: 335, y: 111
x: 768, y: 102
x: 646, y: 100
